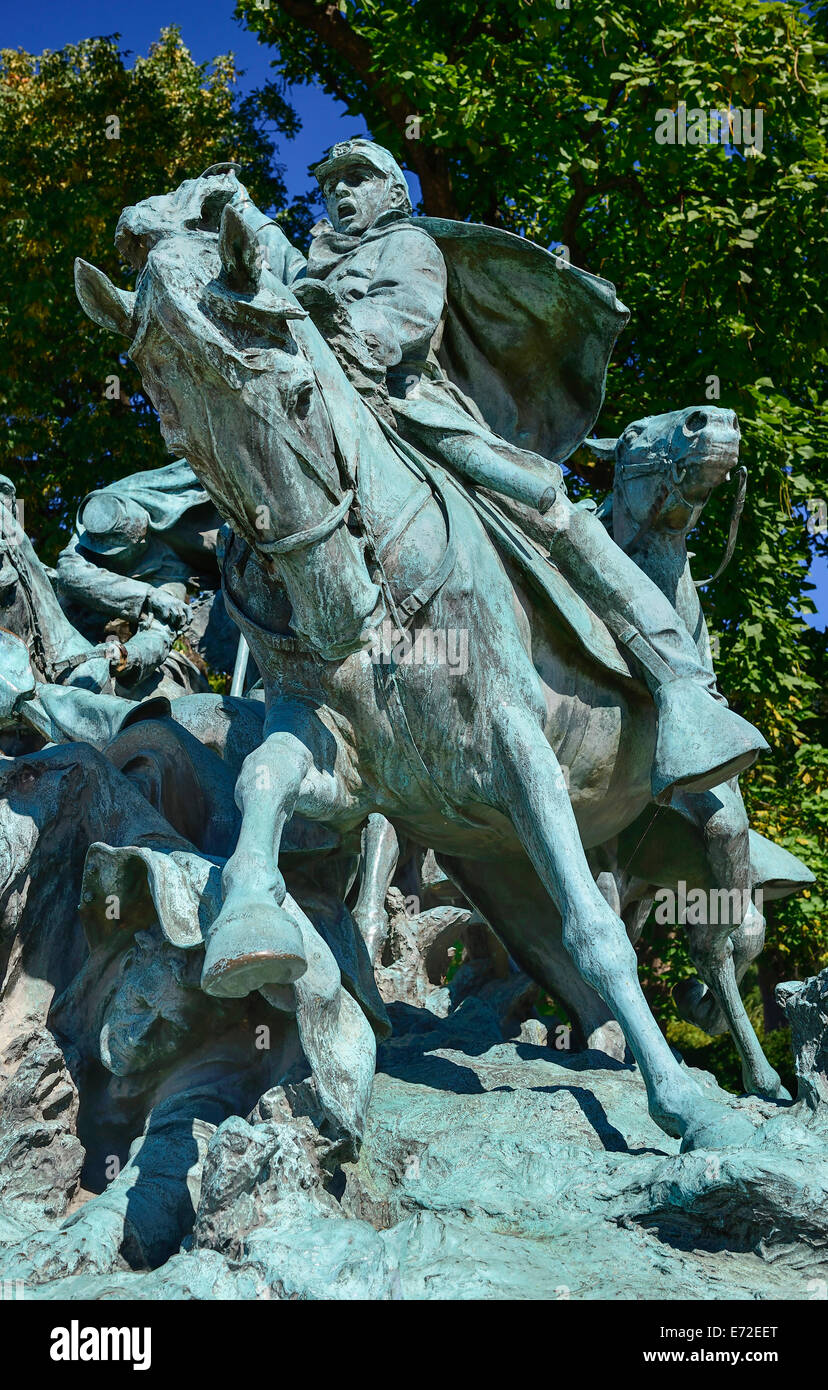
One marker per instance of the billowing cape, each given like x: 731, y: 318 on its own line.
x: 528, y: 337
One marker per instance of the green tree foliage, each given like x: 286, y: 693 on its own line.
x: 541, y: 117
x: 63, y: 183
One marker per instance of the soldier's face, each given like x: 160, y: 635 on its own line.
x: 353, y: 197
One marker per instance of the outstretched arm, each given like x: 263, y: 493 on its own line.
x: 283, y: 259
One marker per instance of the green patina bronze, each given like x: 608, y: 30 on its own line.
x: 455, y: 658
x: 326, y: 407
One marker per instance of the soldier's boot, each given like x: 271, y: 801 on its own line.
x: 700, y: 742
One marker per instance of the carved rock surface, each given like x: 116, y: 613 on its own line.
x: 495, y: 1168
x: 40, y: 1154
x: 501, y: 1170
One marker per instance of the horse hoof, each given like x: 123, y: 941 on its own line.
x: 715, y: 1126
x: 253, y: 944
x: 697, y: 1005
x: 768, y: 1086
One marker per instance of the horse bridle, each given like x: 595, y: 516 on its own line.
x: 402, y: 610
x: 669, y: 493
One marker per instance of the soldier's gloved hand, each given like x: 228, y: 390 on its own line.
x: 167, y: 608
x: 317, y: 297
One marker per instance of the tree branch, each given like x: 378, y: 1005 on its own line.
x: 332, y: 29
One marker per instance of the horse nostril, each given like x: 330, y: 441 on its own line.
x: 695, y: 422
x: 132, y: 248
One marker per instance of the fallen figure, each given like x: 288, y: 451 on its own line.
x: 158, y: 1064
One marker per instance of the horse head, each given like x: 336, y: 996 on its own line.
x: 234, y: 366
x: 666, y: 467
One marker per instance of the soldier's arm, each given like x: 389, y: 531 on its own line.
x: 90, y: 586
x: 404, y: 303
x: 282, y: 258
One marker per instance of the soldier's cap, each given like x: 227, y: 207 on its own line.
x: 111, y: 525
x: 359, y: 151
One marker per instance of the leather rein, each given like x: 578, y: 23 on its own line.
x: 405, y: 609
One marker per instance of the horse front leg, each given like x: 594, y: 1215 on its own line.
x: 380, y: 856
x: 254, y: 941
x: 531, y: 790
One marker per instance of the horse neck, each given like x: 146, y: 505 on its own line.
x: 319, y: 560
x: 663, y: 556
x: 335, y: 601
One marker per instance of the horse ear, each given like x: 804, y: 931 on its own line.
x: 601, y: 449
x: 240, y: 251
x: 104, y: 304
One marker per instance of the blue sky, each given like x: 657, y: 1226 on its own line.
x: 208, y: 28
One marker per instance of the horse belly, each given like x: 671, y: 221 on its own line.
x: 604, y: 744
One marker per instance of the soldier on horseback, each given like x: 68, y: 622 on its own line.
x: 489, y: 354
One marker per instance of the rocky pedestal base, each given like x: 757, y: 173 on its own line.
x: 490, y: 1168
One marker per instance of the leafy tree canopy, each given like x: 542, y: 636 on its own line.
x: 82, y: 135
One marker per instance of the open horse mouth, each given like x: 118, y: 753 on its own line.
x: 695, y: 452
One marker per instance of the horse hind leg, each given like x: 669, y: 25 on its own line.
x: 696, y: 1003
x: 713, y: 955
x: 509, y: 895
x: 722, y: 947
x: 531, y: 790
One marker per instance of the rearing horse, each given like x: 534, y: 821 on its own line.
x: 510, y: 770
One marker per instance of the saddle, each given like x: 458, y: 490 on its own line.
x: 519, y: 535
